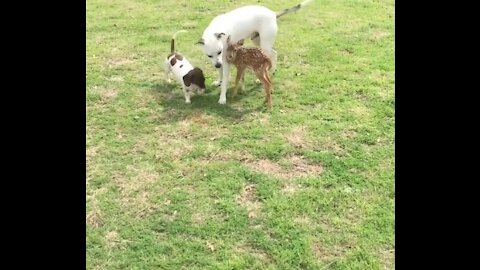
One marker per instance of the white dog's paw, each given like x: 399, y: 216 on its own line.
x: 257, y: 81
x: 217, y: 83
x: 188, y: 101
x: 222, y: 100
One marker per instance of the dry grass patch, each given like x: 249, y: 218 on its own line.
x: 135, y: 189
x: 349, y: 134
x: 387, y: 258
x: 298, y: 137
x: 108, y: 95
x: 173, y: 145
x: 113, y: 240
x: 302, y: 168
x: 94, y: 216
x: 243, y: 248
x: 297, y: 167
x: 91, y: 153
x: 360, y: 111
x: 323, y: 253
x: 303, y: 220
x: 328, y: 144
x: 248, y: 200
x: 116, y: 62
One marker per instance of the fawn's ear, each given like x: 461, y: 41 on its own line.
x: 228, y: 39
x: 240, y: 42
x: 201, y: 42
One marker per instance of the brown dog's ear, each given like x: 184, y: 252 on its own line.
x: 240, y: 42
x: 187, y: 79
x: 201, y: 42
x: 219, y: 35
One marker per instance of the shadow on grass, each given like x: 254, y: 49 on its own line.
x: 170, y: 96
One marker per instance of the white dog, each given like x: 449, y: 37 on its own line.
x: 189, y: 77
x: 256, y: 22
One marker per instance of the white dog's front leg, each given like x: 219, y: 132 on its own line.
x: 223, y: 91
x: 218, y: 82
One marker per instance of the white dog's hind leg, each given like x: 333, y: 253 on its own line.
x: 267, y: 39
x: 224, y: 85
x: 273, y: 56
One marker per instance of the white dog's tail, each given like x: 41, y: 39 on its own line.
x: 294, y: 9
x: 172, y: 47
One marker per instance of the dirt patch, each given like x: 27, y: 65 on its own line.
x: 248, y: 200
x: 269, y: 167
x: 296, y: 167
x: 301, y: 167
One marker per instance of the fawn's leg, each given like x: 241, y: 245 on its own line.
x: 240, y: 71
x: 267, y: 85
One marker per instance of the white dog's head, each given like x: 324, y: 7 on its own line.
x: 213, y: 48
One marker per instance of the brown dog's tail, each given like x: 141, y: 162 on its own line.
x: 294, y: 9
x: 172, y: 46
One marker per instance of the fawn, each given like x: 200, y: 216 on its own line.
x: 253, y: 58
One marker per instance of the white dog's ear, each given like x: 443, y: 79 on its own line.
x: 219, y: 35
x: 201, y: 42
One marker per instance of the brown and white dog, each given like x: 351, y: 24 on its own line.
x: 191, y: 79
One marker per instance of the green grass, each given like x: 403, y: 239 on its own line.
x: 307, y: 184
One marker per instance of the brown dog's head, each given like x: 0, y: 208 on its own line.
x: 232, y: 48
x: 195, y: 76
